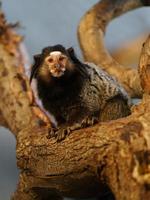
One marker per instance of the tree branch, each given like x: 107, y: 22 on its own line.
x: 2, y: 121
x: 92, y: 27
x: 144, y: 67
x: 17, y: 105
x: 105, y: 153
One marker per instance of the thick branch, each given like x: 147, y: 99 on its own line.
x: 3, y: 121
x: 91, y: 29
x: 18, y: 109
x: 144, y: 67
x: 106, y: 153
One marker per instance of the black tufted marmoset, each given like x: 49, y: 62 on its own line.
x: 77, y: 94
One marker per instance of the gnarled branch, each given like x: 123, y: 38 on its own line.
x: 91, y: 33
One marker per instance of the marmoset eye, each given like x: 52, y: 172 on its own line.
x: 61, y: 58
x: 50, y: 60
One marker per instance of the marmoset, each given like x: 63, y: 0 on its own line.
x: 77, y: 94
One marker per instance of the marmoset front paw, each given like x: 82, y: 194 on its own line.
x: 59, y: 133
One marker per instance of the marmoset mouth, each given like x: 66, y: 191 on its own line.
x: 57, y: 73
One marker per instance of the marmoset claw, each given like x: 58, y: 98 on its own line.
x: 62, y: 133
x: 89, y: 121
x: 59, y: 133
x: 52, y: 132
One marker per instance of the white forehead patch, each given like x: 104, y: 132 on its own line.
x: 55, y: 53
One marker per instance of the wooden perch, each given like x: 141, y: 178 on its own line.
x: 112, y: 156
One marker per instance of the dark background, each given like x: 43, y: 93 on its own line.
x: 48, y: 22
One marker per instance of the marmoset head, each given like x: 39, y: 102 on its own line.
x: 54, y: 61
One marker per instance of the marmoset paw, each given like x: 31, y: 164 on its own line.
x: 52, y: 132
x: 59, y: 133
x: 89, y: 121
x: 62, y: 133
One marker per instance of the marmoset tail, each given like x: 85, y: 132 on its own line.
x: 77, y: 94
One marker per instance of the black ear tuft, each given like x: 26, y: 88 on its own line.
x: 79, y: 65
x: 70, y: 50
x: 37, y: 62
x: 46, y: 50
x: 73, y: 56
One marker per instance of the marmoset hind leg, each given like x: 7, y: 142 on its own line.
x: 115, y: 108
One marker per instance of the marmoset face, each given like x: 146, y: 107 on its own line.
x: 56, y: 62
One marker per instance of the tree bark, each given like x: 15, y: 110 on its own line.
x: 112, y: 156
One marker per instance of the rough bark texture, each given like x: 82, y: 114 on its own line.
x: 114, y: 155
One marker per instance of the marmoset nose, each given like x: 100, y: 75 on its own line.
x: 57, y: 66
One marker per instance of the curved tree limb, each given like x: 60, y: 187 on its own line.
x: 144, y: 67
x: 3, y: 121
x: 115, y: 154
x: 91, y: 33
x: 17, y: 103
